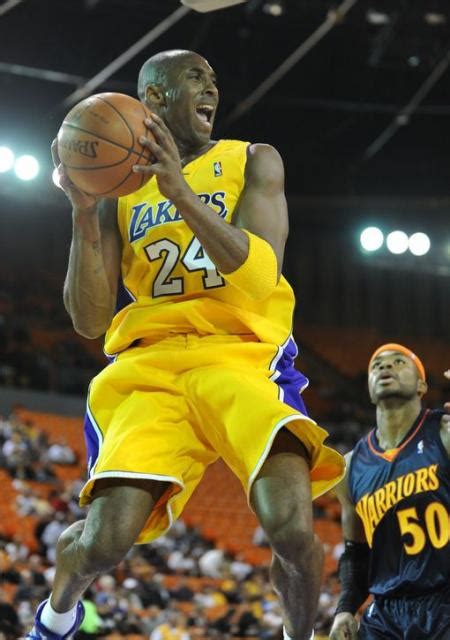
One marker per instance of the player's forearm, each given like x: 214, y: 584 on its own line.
x: 87, y: 294
x: 354, y: 576
x: 225, y: 244
x: 245, y: 260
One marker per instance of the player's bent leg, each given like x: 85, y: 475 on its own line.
x: 281, y: 499
x: 89, y: 547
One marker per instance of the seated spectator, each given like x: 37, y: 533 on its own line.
x: 211, y: 563
x: 240, y: 569
x: 9, y: 620
x: 174, y: 629
x: 209, y: 597
x: 92, y: 623
x: 43, y: 472
x: 259, y: 537
x: 182, y: 592
x: 61, y: 453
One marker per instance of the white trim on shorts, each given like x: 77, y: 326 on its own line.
x: 265, y: 453
x: 145, y: 476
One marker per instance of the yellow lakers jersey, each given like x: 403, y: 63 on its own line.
x: 169, y: 283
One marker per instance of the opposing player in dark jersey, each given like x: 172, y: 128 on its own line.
x: 395, y: 512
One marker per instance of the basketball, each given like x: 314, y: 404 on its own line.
x: 98, y: 144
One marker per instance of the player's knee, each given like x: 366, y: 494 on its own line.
x: 293, y: 544
x: 290, y: 535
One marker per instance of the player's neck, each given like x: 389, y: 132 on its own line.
x: 394, y: 420
x: 188, y: 154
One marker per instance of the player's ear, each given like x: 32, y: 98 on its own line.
x: 154, y: 95
x: 422, y: 387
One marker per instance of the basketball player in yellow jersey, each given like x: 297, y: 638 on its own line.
x: 184, y: 276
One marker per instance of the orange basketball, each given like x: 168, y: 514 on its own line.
x: 98, y: 144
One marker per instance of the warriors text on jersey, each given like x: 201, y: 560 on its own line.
x: 403, y: 498
x: 170, y: 285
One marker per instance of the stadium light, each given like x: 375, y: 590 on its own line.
x: 274, y: 8
x: 26, y: 167
x: 397, y: 242
x: 6, y: 159
x: 419, y: 244
x: 371, y: 238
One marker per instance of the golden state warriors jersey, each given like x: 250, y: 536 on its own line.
x: 169, y: 284
x: 402, y: 497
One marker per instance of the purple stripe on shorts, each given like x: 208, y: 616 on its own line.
x: 289, y: 379
x: 92, y: 441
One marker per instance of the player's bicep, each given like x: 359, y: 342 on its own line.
x: 111, y: 242
x: 262, y: 207
x: 352, y: 526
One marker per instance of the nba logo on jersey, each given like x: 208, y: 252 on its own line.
x: 217, y: 169
x: 420, y: 447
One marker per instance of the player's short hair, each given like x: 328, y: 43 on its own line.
x: 156, y: 69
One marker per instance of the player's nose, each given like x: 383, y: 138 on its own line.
x: 210, y: 88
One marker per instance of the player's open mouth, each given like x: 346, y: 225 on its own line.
x: 386, y: 379
x: 204, y: 113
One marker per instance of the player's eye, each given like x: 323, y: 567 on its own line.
x: 399, y: 361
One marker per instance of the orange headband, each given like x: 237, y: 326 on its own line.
x: 407, y: 352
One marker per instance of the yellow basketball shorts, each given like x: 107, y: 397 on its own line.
x: 168, y: 410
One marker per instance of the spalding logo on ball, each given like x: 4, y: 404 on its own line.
x: 98, y: 144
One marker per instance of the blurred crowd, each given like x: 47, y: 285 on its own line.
x: 179, y: 587
x: 31, y: 316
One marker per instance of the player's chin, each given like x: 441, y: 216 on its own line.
x: 202, y: 137
x: 386, y: 394
x: 201, y: 131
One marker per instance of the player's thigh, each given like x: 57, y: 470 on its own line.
x: 433, y: 617
x: 245, y: 419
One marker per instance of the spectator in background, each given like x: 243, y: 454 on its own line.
x: 259, y: 537
x: 212, y: 563
x: 240, y: 569
x: 9, y: 620
x: 153, y: 618
x: 182, y: 592
x: 174, y: 629
x: 51, y: 533
x: 92, y: 623
x: 60, y: 453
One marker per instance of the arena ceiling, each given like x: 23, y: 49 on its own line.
x: 324, y: 115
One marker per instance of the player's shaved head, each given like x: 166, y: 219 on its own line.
x: 157, y: 69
